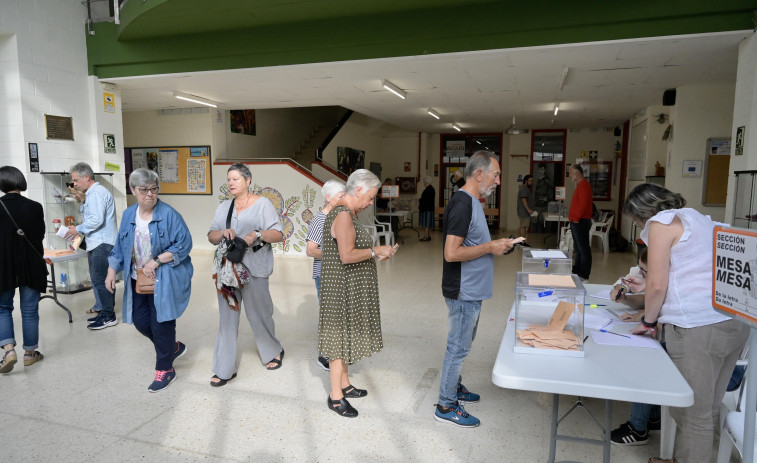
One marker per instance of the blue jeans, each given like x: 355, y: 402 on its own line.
x: 582, y: 245
x: 162, y: 335
x: 29, y: 299
x: 318, y: 287
x: 98, y: 270
x: 641, y: 414
x: 463, y: 322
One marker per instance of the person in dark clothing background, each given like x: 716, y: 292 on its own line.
x: 426, y: 209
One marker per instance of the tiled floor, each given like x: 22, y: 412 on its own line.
x: 88, y: 399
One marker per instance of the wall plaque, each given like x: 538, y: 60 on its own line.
x: 59, y: 127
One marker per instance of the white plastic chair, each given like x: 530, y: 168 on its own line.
x: 384, y: 230
x: 601, y: 229
x: 732, y: 436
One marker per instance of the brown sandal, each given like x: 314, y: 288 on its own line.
x: 9, y: 359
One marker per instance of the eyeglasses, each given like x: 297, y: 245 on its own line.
x: 144, y: 191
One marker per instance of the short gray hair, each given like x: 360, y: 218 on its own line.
x: 82, y: 169
x: 479, y: 160
x: 647, y: 199
x: 362, y: 178
x: 243, y: 170
x: 143, y: 177
x: 332, y: 188
x: 427, y: 180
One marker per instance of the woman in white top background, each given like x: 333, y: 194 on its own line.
x: 703, y: 344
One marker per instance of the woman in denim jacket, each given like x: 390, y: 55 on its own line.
x: 154, y: 238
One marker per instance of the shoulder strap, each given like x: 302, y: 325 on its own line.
x: 19, y: 231
x: 228, y: 216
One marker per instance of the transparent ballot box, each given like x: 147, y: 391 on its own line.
x: 548, y: 314
x: 546, y: 261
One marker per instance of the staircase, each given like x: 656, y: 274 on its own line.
x: 305, y: 154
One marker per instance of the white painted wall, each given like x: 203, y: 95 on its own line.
x: 43, y: 70
x: 700, y: 112
x: 744, y: 115
x: 279, y: 132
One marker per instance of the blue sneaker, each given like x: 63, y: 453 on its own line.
x: 102, y: 322
x: 456, y: 415
x: 162, y: 379
x: 181, y: 349
x: 464, y: 395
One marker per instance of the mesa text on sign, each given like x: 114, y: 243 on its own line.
x: 734, y: 289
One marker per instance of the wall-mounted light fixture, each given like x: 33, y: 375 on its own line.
x: 457, y: 127
x: 394, y: 89
x: 433, y: 113
x: 557, y: 108
x: 195, y: 99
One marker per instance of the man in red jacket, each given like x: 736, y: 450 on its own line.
x: 580, y: 212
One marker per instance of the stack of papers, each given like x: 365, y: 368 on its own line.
x: 542, y: 337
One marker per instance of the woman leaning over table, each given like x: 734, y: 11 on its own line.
x: 254, y: 219
x: 703, y: 344
x: 21, y: 266
x: 154, y: 238
x: 350, y: 323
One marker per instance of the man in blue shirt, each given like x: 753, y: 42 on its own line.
x: 99, y: 227
x: 467, y: 279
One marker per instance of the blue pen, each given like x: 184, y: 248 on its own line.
x: 616, y: 334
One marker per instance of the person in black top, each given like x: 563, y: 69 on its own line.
x: 22, y: 267
x: 426, y: 209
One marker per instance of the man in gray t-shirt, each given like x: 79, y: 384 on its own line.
x: 526, y: 202
x: 467, y: 279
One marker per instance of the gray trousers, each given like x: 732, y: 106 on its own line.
x: 258, y: 306
x: 705, y: 356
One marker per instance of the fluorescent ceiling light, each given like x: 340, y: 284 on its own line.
x: 563, y: 76
x: 195, y: 99
x: 557, y: 108
x: 394, y: 89
x: 433, y: 113
x: 457, y: 127
x: 478, y: 142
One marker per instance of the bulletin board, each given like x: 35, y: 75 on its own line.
x: 717, y: 160
x: 183, y: 170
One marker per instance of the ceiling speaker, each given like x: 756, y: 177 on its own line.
x: 669, y: 97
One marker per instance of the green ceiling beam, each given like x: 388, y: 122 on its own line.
x: 332, y: 36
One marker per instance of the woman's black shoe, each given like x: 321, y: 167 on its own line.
x: 342, y: 407
x: 354, y: 393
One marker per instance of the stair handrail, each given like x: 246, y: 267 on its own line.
x: 337, y: 128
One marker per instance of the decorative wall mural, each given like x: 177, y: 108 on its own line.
x: 295, y: 230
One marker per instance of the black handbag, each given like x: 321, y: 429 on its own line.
x: 235, y: 248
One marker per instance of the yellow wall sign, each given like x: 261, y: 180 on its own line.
x: 109, y: 102
x: 112, y: 167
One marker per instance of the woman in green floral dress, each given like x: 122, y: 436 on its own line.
x: 350, y: 321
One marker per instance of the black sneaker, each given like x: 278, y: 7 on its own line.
x: 627, y: 435
x: 103, y: 322
x: 323, y: 362
x: 181, y: 349
x: 91, y: 319
x: 654, y: 425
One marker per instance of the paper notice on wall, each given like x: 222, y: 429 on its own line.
x: 168, y: 166
x: 138, y: 159
x: 196, y: 181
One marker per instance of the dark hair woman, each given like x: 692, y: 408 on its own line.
x: 21, y: 267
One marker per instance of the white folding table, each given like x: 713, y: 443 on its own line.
x: 629, y: 374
